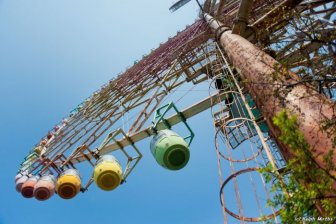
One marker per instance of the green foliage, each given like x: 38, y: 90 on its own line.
x: 307, y: 186
x: 329, y: 126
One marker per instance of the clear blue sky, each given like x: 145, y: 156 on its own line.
x: 54, y: 54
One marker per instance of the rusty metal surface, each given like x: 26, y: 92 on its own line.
x: 274, y: 88
x: 284, y: 41
x: 141, y: 87
x: 148, y: 71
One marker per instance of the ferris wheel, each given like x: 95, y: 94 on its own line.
x: 102, y: 132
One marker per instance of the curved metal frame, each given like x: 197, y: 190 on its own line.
x: 237, y: 160
x: 243, y: 218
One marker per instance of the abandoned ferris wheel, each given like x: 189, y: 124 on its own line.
x: 256, y: 57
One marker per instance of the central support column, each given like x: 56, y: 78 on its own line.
x: 275, y: 88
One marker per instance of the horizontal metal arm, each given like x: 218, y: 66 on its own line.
x: 147, y: 132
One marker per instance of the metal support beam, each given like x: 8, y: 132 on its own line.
x: 220, y: 7
x: 241, y: 21
x: 274, y: 88
x: 207, y: 5
x: 213, y: 4
x: 147, y: 132
x: 274, y: 19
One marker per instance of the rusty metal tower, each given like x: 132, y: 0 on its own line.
x: 257, y: 58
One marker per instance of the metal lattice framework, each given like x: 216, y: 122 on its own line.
x: 296, y: 33
x: 241, y: 141
x: 141, y: 88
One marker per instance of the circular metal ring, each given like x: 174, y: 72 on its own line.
x: 236, y: 160
x: 239, y: 217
